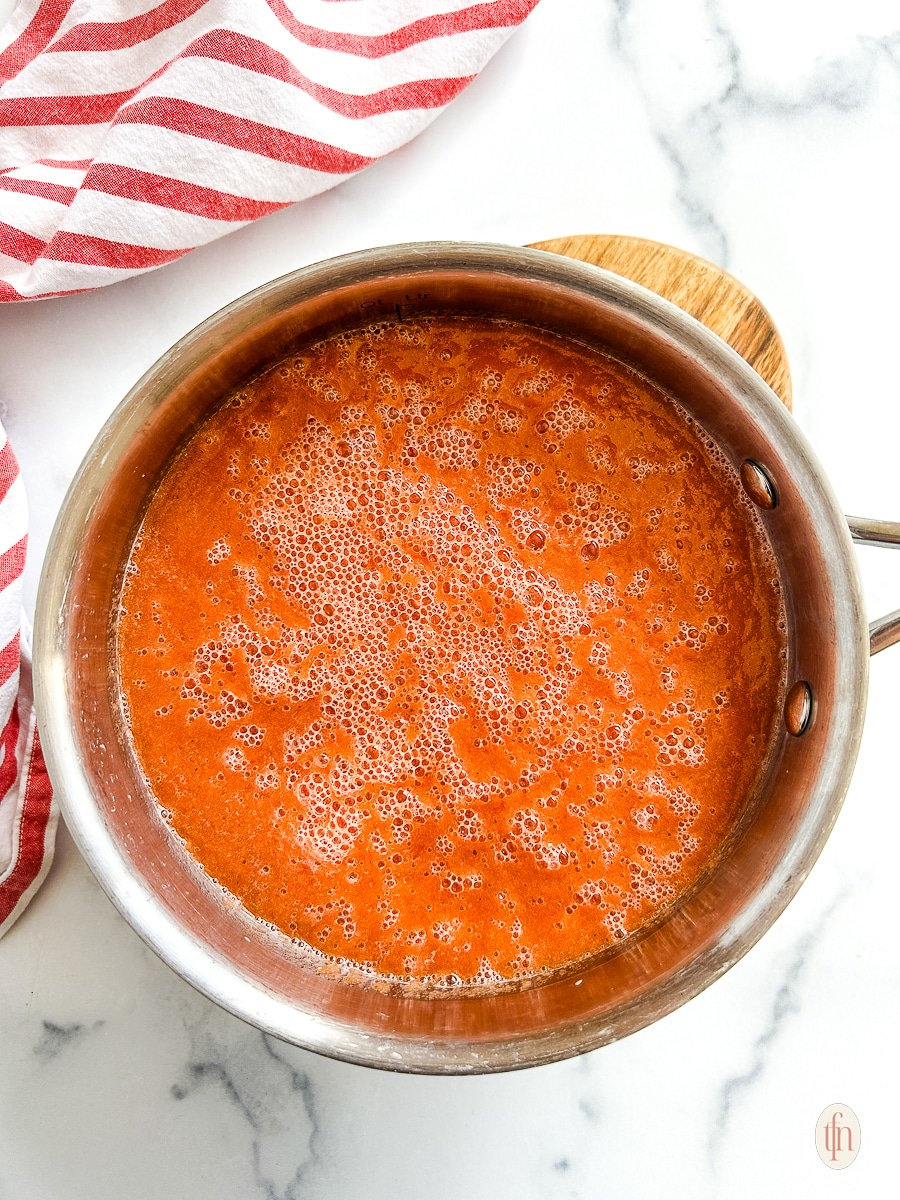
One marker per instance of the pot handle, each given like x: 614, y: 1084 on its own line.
x: 886, y: 630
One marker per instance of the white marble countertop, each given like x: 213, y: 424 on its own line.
x: 763, y: 136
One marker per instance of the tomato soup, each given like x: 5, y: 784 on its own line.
x: 452, y: 649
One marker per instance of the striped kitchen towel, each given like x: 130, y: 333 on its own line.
x: 133, y: 131
x: 27, y: 810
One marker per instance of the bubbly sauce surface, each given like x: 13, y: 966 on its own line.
x: 452, y: 649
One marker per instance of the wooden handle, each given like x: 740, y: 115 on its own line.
x: 720, y: 301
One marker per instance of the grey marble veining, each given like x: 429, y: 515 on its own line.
x: 691, y: 76
x: 786, y: 1004
x: 56, y: 1039
x: 275, y: 1100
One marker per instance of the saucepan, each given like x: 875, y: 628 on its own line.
x: 205, y: 935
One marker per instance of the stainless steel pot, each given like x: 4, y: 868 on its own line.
x: 207, y: 937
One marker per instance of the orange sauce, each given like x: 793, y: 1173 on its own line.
x: 452, y: 649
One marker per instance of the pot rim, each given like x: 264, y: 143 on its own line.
x: 215, y: 976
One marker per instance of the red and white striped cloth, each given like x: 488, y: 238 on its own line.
x: 132, y: 131
x: 27, y: 810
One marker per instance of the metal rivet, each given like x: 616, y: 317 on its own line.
x: 798, y: 708
x: 758, y: 484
